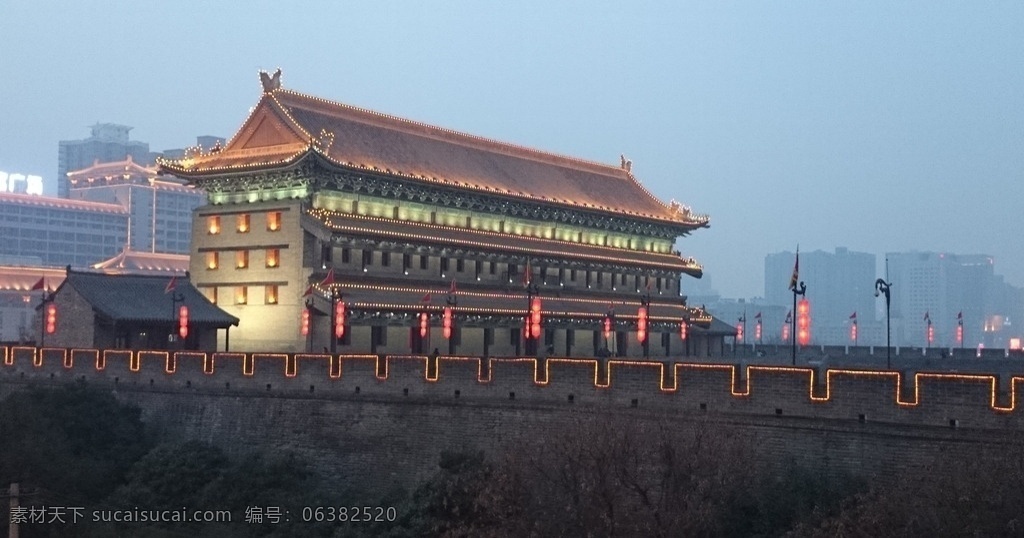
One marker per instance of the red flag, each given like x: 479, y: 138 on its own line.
x: 309, y: 291
x: 796, y: 271
x: 39, y: 285
x: 927, y: 317
x: 789, y: 317
x: 329, y: 279
x: 171, y: 285
x: 426, y: 298
x: 853, y: 316
x: 527, y: 274
x: 757, y: 316
x: 960, y: 317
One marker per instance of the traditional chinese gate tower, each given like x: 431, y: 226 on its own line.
x: 413, y: 227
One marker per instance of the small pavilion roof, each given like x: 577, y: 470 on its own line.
x: 136, y: 262
x: 143, y: 298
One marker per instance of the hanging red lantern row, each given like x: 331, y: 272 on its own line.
x: 339, y: 319
x: 641, y: 324
x: 607, y: 326
x: 304, y: 322
x: 51, y: 318
x: 447, y: 322
x: 534, y: 319
x: 803, y: 322
x: 183, y: 321
x: 424, y: 324
x: 682, y: 330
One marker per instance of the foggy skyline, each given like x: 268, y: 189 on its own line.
x: 874, y: 126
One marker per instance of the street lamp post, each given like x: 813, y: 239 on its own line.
x: 47, y: 299
x: 881, y: 286
x: 176, y: 298
x: 797, y: 290
x: 332, y: 331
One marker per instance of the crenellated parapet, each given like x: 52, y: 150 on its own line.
x: 921, y: 398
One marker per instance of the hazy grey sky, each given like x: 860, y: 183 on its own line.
x: 879, y: 126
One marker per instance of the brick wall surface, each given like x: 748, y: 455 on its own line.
x: 389, y: 417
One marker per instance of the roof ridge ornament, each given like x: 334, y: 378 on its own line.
x: 270, y: 82
x: 625, y: 163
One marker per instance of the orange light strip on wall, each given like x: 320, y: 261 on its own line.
x: 199, y: 356
x: 124, y: 355
x: 740, y: 386
x: 331, y: 372
x: 275, y: 357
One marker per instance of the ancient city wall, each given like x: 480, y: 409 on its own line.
x: 360, y: 416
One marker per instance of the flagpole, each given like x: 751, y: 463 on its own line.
x: 881, y: 286
x: 800, y: 289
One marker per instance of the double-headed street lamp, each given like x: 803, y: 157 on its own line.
x: 881, y: 286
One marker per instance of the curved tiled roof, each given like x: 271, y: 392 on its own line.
x: 136, y: 262
x: 286, y: 125
x: 143, y: 298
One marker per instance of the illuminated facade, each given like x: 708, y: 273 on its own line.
x: 160, y: 208
x: 430, y: 239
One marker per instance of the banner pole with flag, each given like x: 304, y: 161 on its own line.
x: 960, y: 330
x: 797, y: 289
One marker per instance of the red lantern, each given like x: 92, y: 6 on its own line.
x: 304, y: 325
x: 424, y: 324
x: 447, y: 322
x: 682, y: 330
x: 183, y: 321
x: 607, y: 326
x: 739, y: 332
x: 853, y: 332
x: 51, y: 318
x: 641, y: 324
x: 339, y: 319
x: 534, y: 320
x: 803, y: 322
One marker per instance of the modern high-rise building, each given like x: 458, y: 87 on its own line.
x: 943, y: 286
x: 838, y: 284
x: 160, y: 206
x: 109, y: 143
x: 61, y: 231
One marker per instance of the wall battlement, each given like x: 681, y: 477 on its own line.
x: 976, y: 400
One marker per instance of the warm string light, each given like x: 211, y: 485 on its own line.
x: 741, y: 385
x: 194, y: 161
x: 487, y: 143
x: 687, y: 265
x: 326, y: 291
